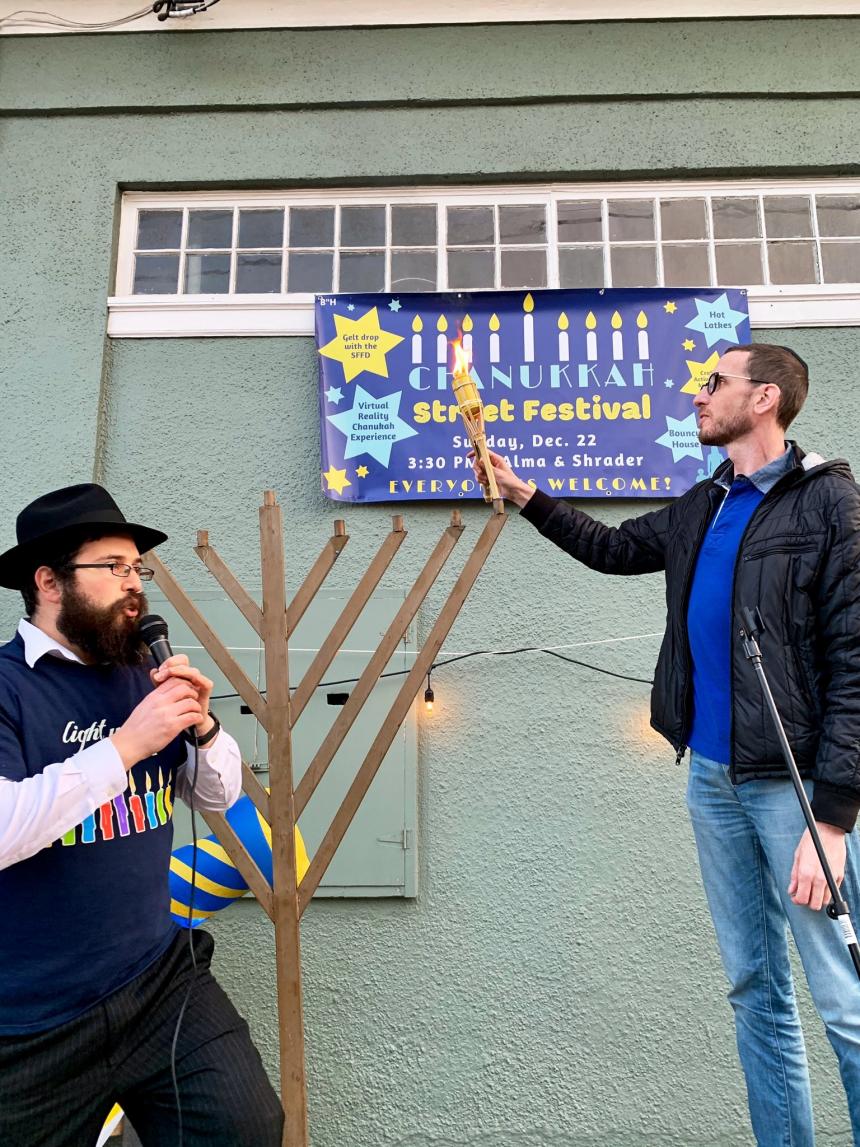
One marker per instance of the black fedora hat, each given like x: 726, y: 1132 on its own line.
x: 56, y: 519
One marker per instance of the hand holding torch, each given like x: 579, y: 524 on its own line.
x: 472, y: 412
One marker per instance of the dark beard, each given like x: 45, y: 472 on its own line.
x: 731, y: 429
x: 104, y: 635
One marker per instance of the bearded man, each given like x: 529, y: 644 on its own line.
x: 779, y: 529
x: 94, y: 975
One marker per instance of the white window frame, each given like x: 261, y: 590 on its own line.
x: 190, y: 316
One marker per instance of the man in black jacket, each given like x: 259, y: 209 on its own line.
x: 778, y: 529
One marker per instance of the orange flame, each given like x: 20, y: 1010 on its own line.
x: 461, y: 359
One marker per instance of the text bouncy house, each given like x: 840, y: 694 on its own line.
x: 586, y: 392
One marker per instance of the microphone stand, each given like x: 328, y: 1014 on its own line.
x: 838, y: 909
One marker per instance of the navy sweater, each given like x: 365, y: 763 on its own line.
x: 86, y: 915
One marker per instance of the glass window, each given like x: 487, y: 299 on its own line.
x: 840, y: 262
x: 362, y: 226
x: 258, y: 273
x: 838, y: 214
x: 787, y: 217
x: 468, y: 269
x: 630, y: 219
x: 580, y: 222
x: 792, y: 262
x: 210, y: 229
x: 261, y: 228
x: 413, y: 225
x: 312, y: 227
x: 735, y: 218
x: 362, y: 271
x: 523, y: 268
x: 686, y: 265
x: 580, y: 267
x: 522, y: 224
x: 683, y: 219
x: 739, y: 264
x: 413, y: 270
x: 159, y: 230
x: 309, y: 271
x: 634, y: 266
x: 470, y: 225
x: 207, y: 274
x: 156, y: 275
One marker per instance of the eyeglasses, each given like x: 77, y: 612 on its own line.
x: 717, y: 377
x: 118, y: 569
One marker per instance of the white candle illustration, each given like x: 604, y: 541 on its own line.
x: 466, y: 341
x: 417, y: 349
x: 528, y: 329
x: 642, y: 324
x: 494, y: 325
x: 591, y: 337
x: 617, y: 338
x: 563, y: 339
x: 441, y: 340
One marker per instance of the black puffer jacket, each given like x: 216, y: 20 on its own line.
x: 799, y: 562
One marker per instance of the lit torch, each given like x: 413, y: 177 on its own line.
x: 472, y: 412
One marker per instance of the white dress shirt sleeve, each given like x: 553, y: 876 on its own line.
x: 36, y: 811
x: 219, y: 775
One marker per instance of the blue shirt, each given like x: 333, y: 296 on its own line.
x: 89, y: 913
x: 709, y: 612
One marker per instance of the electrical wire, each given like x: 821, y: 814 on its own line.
x: 37, y: 18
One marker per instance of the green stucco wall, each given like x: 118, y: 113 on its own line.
x: 555, y: 982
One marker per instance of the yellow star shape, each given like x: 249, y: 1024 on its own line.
x: 362, y: 471
x: 336, y: 479
x: 699, y: 372
x: 361, y: 344
x: 688, y: 344
x: 670, y: 308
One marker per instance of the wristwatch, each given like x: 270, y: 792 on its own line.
x: 204, y: 740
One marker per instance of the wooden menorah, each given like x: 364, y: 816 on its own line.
x: 284, y: 900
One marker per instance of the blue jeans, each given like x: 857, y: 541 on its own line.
x: 746, y: 837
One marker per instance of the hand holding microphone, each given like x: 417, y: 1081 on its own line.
x: 180, y: 700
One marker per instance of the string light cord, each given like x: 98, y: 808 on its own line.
x: 163, y: 9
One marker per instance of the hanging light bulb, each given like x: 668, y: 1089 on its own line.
x: 428, y: 696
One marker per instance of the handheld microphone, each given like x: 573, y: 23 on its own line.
x: 153, y: 630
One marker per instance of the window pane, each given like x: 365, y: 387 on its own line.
x: 261, y: 228
x: 413, y: 270
x: 157, y: 230
x: 309, y: 271
x: 792, y: 262
x: 580, y: 222
x: 840, y: 262
x: 787, y: 216
x: 413, y: 226
x: 838, y: 214
x: 634, y: 267
x: 312, y: 227
x: 258, y: 274
x: 210, y: 229
x: 522, y: 225
x: 362, y: 271
x: 683, y: 219
x: 735, y: 218
x: 470, y: 225
x: 362, y: 226
x: 739, y: 264
x: 207, y: 274
x: 470, y: 268
x: 524, y: 268
x: 156, y: 275
x: 631, y: 219
x: 581, y: 267
x: 686, y: 265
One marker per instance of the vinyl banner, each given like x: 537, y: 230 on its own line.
x: 588, y: 393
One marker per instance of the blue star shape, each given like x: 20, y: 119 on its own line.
x: 717, y: 320
x: 334, y: 394
x: 394, y: 305
x: 350, y: 306
x: 373, y: 425
x: 667, y: 382
x: 681, y: 437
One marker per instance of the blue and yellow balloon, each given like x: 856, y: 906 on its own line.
x: 218, y: 882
